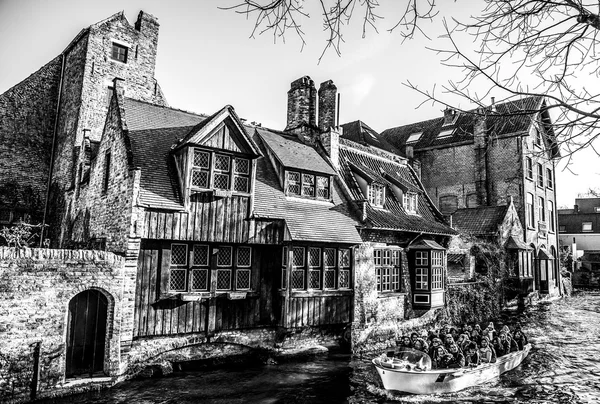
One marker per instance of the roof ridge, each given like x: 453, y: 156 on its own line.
x: 378, y: 153
x: 201, y: 115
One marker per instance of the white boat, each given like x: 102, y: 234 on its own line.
x: 395, y: 375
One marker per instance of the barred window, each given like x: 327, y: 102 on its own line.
x: 308, y: 185
x: 317, y: 268
x: 190, y: 267
x: 230, y: 173
x: 293, y: 183
x: 241, y: 175
x: 298, y: 269
x: 222, y: 173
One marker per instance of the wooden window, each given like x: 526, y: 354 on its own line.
x: 437, y: 270
x: 421, y: 258
x: 530, y: 211
x: 222, y: 174
x: 422, y: 278
x: 200, y: 268
x: 551, y: 216
x: 200, y: 169
x: 388, y: 269
x: 298, y: 267
x: 409, y: 199
x: 243, y: 268
x: 317, y: 268
x: 178, y: 267
x: 586, y: 226
x: 314, y: 266
x: 229, y: 173
x: 308, y: 185
x: 241, y: 175
x: 119, y: 52
x: 345, y: 263
x: 376, y: 194
x: 540, y: 175
x: 529, y: 167
x: 541, y: 209
x: 323, y: 187
x: 549, y: 178
x: 329, y: 268
x: 106, y: 178
x: 293, y: 183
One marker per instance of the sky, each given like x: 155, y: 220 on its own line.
x: 206, y: 59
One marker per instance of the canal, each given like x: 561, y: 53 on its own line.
x: 563, y: 367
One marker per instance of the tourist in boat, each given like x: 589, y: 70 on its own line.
x: 413, y: 338
x: 444, y: 330
x: 506, y: 330
x: 472, y: 355
x: 454, y: 333
x: 441, y: 358
x: 448, y: 340
x: 498, y: 346
x: 463, y: 342
x: 490, y: 331
x: 509, y: 343
x: 476, y: 334
x: 455, y: 358
x: 404, y: 342
x: 486, y: 354
x: 520, y: 339
x: 433, y: 348
x: 421, y: 345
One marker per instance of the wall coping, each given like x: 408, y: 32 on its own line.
x: 45, y: 254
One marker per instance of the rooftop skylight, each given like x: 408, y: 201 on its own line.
x: 414, y: 137
x: 445, y: 133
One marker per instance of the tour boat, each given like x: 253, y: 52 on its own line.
x: 395, y: 374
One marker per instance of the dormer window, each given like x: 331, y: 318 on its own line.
x: 376, y: 194
x: 409, y: 200
x: 308, y: 185
x: 225, y: 168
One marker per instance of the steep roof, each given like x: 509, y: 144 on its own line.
x: 510, y: 118
x: 381, y: 168
x: 292, y: 153
x: 483, y: 220
x: 361, y: 133
x: 306, y: 220
x: 153, y: 130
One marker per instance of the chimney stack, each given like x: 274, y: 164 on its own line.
x: 327, y: 105
x: 450, y: 116
x: 302, y: 100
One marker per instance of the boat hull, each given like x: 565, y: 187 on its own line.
x: 446, y: 380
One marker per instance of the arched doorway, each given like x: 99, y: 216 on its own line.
x: 86, y: 333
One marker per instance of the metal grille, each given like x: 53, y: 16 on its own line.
x: 314, y: 279
x: 200, y: 279
x: 298, y: 279
x: 242, y: 279
x: 241, y: 184
x: 298, y: 256
x: 224, y: 279
x: 314, y: 257
x: 201, y: 255
x: 329, y: 279
x: 244, y: 256
x: 222, y: 162
x: 329, y: 257
x: 178, y: 254
x: 177, y: 279
x: 200, y: 179
x: 344, y: 279
x: 323, y: 187
x: 224, y: 257
x: 345, y: 258
x: 308, y: 185
x: 242, y: 166
x: 201, y: 159
x: 221, y: 181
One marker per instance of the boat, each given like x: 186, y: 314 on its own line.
x: 411, y: 372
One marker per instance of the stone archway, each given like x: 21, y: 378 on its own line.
x: 86, y: 333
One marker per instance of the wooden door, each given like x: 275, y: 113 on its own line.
x: 87, y: 333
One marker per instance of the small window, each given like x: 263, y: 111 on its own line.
x: 414, y: 137
x: 551, y: 216
x: 530, y: 211
x: 298, y: 268
x: 421, y: 279
x: 376, y: 194
x: 106, y: 178
x: 549, y: 178
x: 541, y: 209
x: 308, y: 185
x: 421, y: 258
x: 586, y: 226
x: 119, y: 52
x: 445, y: 133
x: 529, y: 167
x: 538, y: 137
x: 409, y: 200
x: 540, y: 175
x: 323, y: 187
x: 562, y: 228
x: 388, y: 269
x: 293, y: 183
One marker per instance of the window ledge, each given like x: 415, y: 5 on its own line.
x: 386, y: 295
x: 318, y: 292
x: 307, y: 199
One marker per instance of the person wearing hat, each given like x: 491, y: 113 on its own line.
x: 490, y: 331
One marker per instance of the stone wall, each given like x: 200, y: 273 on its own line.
x: 36, y: 286
x: 27, y: 113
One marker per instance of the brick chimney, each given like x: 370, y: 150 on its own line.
x: 330, y: 139
x: 327, y: 105
x: 302, y: 103
x: 147, y: 23
x: 450, y: 116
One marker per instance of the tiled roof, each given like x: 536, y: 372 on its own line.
x: 361, y: 133
x: 384, y: 170
x: 483, y: 220
x: 293, y: 153
x: 306, y: 220
x: 456, y: 258
x: 425, y: 244
x: 153, y: 129
x: 463, y: 128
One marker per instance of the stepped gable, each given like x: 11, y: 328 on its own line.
x: 306, y: 220
x: 379, y: 166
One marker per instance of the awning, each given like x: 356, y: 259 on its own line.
x: 425, y: 244
x: 515, y: 244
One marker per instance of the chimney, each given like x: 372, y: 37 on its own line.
x: 330, y: 139
x: 450, y: 116
x: 327, y: 105
x: 409, y: 151
x: 494, y: 104
x: 147, y: 23
x: 302, y: 100
x: 576, y: 208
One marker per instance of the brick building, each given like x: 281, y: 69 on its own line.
x: 485, y: 157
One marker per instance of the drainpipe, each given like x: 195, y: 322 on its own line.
x: 60, y: 85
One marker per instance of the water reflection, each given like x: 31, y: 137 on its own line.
x: 563, y: 367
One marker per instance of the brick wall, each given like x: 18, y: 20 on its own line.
x: 27, y: 113
x: 36, y: 286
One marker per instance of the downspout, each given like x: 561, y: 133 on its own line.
x: 60, y: 85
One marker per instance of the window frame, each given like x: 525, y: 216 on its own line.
x: 584, y: 227
x: 529, y: 168
x: 388, y: 266
x: 549, y: 178
x: 304, y: 183
x: 541, y: 209
x: 540, y: 175
x: 377, y: 194
x: 119, y: 47
x: 210, y: 171
x: 550, y: 216
x: 530, y: 210
x: 410, y: 202
x: 334, y: 277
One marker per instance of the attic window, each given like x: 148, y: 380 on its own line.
x: 308, y: 185
x: 445, y: 133
x: 409, y: 200
x: 538, y: 137
x: 119, y: 52
x: 414, y: 137
x: 225, y: 168
x: 376, y: 194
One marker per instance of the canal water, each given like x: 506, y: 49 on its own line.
x: 563, y: 367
